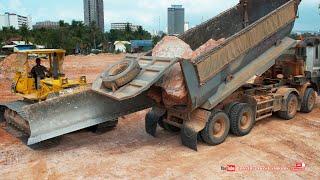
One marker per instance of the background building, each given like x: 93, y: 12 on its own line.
x: 175, y: 19
x: 94, y: 12
x: 122, y: 26
x: 46, y: 25
x: 186, y: 26
x: 15, y: 46
x: 14, y: 20
x: 122, y: 46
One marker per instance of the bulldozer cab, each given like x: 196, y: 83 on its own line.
x: 52, y: 58
x: 35, y: 88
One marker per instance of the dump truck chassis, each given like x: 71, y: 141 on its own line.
x: 264, y: 101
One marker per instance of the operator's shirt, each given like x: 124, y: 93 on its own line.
x: 39, y: 71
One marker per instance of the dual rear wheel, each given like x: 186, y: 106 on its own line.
x: 291, y: 106
x: 292, y: 103
x: 238, y: 118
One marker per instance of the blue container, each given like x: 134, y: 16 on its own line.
x: 141, y: 43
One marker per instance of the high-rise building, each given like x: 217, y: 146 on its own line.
x: 94, y: 12
x: 14, y: 20
x: 122, y: 26
x: 46, y: 25
x: 175, y: 19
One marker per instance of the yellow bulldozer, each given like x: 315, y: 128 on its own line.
x: 32, y: 88
x: 35, y: 90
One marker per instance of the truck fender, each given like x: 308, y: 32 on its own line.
x: 285, y: 92
x: 195, y: 123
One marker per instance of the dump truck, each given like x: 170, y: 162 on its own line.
x: 219, y: 98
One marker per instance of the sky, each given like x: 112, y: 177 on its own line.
x: 145, y: 12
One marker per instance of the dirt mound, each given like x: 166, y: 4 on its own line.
x: 9, y: 65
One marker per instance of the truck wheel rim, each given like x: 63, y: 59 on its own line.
x: 292, y: 106
x: 218, y: 128
x: 245, y: 120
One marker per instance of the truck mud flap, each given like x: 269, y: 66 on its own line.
x: 62, y: 115
x: 192, y: 127
x: 189, y: 137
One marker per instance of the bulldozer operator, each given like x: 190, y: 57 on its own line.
x: 39, y: 72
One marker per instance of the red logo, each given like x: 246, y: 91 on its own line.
x: 231, y: 168
x: 299, y: 166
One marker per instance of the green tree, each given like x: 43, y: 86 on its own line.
x: 71, y: 36
x: 24, y: 32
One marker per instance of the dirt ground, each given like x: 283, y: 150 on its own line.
x: 127, y: 152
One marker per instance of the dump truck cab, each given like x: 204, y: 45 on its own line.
x: 37, y: 89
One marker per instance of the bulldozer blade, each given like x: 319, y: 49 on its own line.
x: 65, y: 114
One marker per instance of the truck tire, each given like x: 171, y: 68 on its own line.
x: 2, y: 110
x: 120, y: 74
x: 216, y: 129
x: 242, y: 119
x: 291, y: 106
x: 308, y: 101
x: 228, y: 107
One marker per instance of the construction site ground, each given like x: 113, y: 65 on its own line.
x: 129, y: 152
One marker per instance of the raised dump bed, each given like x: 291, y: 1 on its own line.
x: 250, y: 29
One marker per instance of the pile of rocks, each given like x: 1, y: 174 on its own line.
x: 174, y: 90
